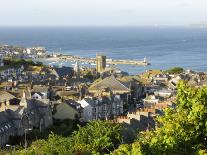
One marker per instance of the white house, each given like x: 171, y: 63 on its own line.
x: 101, y: 108
x: 39, y: 96
x: 89, y: 107
x: 164, y: 93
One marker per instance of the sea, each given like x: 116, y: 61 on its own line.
x: 164, y: 47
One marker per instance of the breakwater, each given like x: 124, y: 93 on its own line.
x: 143, y: 62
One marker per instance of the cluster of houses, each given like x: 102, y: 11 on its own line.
x: 35, y: 96
x: 21, y: 52
x: 160, y: 92
x: 32, y: 97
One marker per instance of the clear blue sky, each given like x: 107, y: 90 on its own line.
x: 101, y: 12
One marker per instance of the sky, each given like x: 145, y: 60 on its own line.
x: 101, y: 12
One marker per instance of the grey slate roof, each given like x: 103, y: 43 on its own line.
x: 90, y: 101
x: 73, y: 104
x: 6, y: 123
x: 64, y: 71
x: 110, y: 82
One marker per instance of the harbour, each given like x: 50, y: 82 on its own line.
x: 72, y: 58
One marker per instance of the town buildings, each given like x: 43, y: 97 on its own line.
x: 34, y: 96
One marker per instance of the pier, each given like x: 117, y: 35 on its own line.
x: 143, y: 62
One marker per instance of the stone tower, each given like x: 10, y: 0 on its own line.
x: 100, y: 63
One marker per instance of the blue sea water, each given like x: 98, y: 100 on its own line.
x: 164, y: 47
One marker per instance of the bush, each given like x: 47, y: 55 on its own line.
x: 97, y: 137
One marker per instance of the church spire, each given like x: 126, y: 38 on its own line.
x: 23, y: 101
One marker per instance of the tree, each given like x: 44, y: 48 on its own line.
x: 181, y: 131
x: 175, y: 70
x: 97, y: 137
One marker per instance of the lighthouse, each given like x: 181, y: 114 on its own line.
x: 145, y: 60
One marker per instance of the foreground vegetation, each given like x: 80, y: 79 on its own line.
x: 94, y: 138
x: 181, y: 131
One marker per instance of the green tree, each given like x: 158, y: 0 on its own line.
x: 175, y: 70
x: 97, y: 137
x: 181, y: 131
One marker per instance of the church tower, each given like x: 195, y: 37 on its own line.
x: 100, y: 63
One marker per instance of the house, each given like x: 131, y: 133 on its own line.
x: 40, y: 92
x: 72, y: 94
x: 150, y: 89
x: 150, y: 100
x: 141, y: 119
x: 38, y: 112
x: 135, y: 86
x: 38, y: 96
x: 5, y: 97
x: 23, y: 114
x: 164, y: 92
x: 160, y: 78
x: 88, y: 106
x: 110, y: 83
x: 68, y: 109
x: 101, y: 108
x: 34, y: 70
x: 174, y: 81
x: 7, y: 128
x: 63, y: 72
x: 111, y: 86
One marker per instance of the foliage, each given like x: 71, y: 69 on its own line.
x: 19, y: 62
x: 88, y: 75
x: 97, y: 137
x: 175, y: 70
x: 180, y: 131
x: 129, y: 149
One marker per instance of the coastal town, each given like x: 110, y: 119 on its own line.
x: 35, y: 96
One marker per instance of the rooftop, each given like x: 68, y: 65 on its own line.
x: 111, y: 83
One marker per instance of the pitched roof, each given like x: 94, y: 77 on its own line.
x: 39, y: 93
x: 67, y: 93
x: 90, y: 101
x: 6, y: 123
x: 35, y: 104
x: 39, y: 88
x: 5, y: 96
x: 64, y: 71
x: 75, y: 105
x: 111, y: 83
x: 3, y: 118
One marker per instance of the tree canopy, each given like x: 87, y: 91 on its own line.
x: 97, y: 137
x: 174, y: 70
x: 19, y: 62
